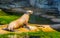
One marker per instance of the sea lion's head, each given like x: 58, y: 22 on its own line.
x: 29, y: 11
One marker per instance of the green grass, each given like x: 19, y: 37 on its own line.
x: 2, y: 13
x: 7, y: 19
x: 30, y: 34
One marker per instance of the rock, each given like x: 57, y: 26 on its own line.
x: 55, y: 20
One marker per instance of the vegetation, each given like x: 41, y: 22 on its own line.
x: 39, y: 34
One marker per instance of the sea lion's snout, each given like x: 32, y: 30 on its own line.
x: 29, y: 11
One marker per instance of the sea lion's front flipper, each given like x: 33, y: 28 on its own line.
x: 26, y: 27
x: 8, y: 29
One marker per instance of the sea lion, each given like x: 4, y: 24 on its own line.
x: 23, y: 20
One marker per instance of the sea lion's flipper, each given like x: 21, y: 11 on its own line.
x: 26, y: 27
x: 11, y: 30
x: 8, y: 30
x: 5, y: 29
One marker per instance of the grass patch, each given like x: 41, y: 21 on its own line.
x: 7, y: 19
x: 32, y: 34
x: 2, y: 13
